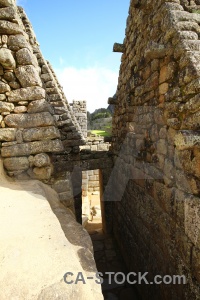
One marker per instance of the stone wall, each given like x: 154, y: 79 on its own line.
x: 90, y: 182
x: 35, y: 117
x: 80, y: 111
x: 96, y: 143
x: 156, y: 178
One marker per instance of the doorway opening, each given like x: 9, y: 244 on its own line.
x: 91, y: 200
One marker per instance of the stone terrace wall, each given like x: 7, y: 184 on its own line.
x: 156, y: 146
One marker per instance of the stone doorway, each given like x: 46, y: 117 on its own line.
x: 91, y: 199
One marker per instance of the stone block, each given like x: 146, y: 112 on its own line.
x: 7, y: 13
x: 7, y: 27
x: 29, y: 120
x: 92, y: 184
x: 62, y: 185
x: 32, y: 148
x: 2, y: 97
x: 37, y: 134
x: 4, y: 87
x: 6, y: 59
x: 7, y: 3
x: 6, y: 107
x: 16, y: 163
x: 16, y: 42
x: 28, y: 76
x: 7, y: 134
x: 41, y: 160
x: 40, y: 106
x: 26, y: 57
x: 43, y: 173
x: 20, y: 109
x: 26, y: 94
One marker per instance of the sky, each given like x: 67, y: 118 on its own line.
x: 77, y: 37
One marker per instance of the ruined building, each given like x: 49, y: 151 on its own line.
x: 150, y: 174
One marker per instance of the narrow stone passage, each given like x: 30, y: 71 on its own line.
x: 109, y: 259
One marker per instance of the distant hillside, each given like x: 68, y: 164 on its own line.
x: 100, y: 119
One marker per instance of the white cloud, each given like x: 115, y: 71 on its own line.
x: 94, y: 84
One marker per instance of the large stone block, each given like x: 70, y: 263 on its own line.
x: 16, y: 163
x: 43, y: 173
x: 7, y: 134
x: 26, y: 57
x: 7, y: 13
x: 7, y: 27
x: 40, y: 106
x: 28, y: 76
x: 6, y: 3
x: 37, y: 134
x: 6, y: 107
x: 6, y: 58
x: 29, y: 120
x: 16, y: 42
x: 62, y: 185
x: 32, y: 148
x: 26, y: 94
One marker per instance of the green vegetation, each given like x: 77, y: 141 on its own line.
x: 197, y: 11
x: 100, y: 115
x: 100, y: 132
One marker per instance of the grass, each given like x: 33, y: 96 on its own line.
x: 100, y: 132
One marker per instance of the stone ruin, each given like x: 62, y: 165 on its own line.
x: 151, y: 173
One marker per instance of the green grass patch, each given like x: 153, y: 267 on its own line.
x: 100, y: 132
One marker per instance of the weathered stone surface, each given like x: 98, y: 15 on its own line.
x: 40, y: 106
x: 43, y: 173
x: 9, y: 76
x: 32, y: 148
x: 29, y: 234
x: 37, y: 134
x: 20, y: 109
x: 6, y: 58
x: 16, y: 42
x: 7, y: 27
x: 6, y: 107
x: 7, y: 134
x: 14, y: 85
x: 26, y: 57
x: 4, y: 87
x: 26, y: 94
x: 29, y: 120
x: 62, y: 185
x: 6, y: 3
x: 118, y: 47
x: 28, y: 76
x: 8, y: 13
x: 187, y: 139
x: 16, y: 163
x: 2, y: 97
x: 41, y: 160
x: 192, y: 121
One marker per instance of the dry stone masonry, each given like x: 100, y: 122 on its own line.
x: 150, y: 175
x: 156, y: 146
